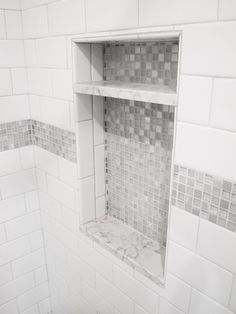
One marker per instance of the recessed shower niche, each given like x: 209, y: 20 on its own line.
x: 126, y: 96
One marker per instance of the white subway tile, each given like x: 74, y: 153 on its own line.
x: 16, y: 287
x: 40, y: 275
x: 45, y: 306
x: 35, y: 109
x: 98, y: 120
x: 194, y: 141
x: 32, y: 310
x: 5, y: 82
x: 204, y: 305
x: 184, y: 228
x: 227, y: 10
x: 194, y: 99
x: 216, y: 243
x: 203, y: 47
x: 40, y: 82
x: 99, y: 303
x: 5, y: 274
x: 61, y: 192
x: 100, y: 206
x: 36, y: 240
x: 3, y: 236
x: 99, y: 153
x: 9, y: 308
x: 11, y: 53
x: 82, y: 107
x: 99, y: 262
x: 122, y: 14
x: 55, y: 112
x: 27, y: 157
x: 199, y: 273
x: 67, y: 171
x: 232, y: 304
x: 12, y: 208
x: 223, y: 109
x: 62, y: 84
x: 66, y: 17
x: 33, y: 296
x: 85, y: 148
x: 87, y: 199
x: 113, y: 295
x: 19, y: 81
x: 176, y: 291
x: 18, y: 183
x: 165, y: 12
x: 136, y: 291
x: 13, y: 24
x: 35, y: 22
x: 82, y: 269
x: 14, y: 108
x: 30, y: 53
x: 51, y: 206
x: 2, y: 25
x: 12, y: 5
x: 82, y: 62
x: 46, y: 161
x: 26, y: 4
x: 77, y: 304
x: 23, y: 225
x: 51, y: 52
x: 70, y: 219
x: 32, y: 201
x: 41, y: 180
x: 97, y: 62
x: 28, y: 263
x: 167, y: 308
x: 9, y: 162
x: 139, y: 310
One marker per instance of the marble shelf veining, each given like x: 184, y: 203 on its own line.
x: 140, y: 252
x: 132, y: 91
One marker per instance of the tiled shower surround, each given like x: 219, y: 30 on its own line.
x: 143, y: 62
x: 138, y: 150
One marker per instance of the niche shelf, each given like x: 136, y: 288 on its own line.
x: 131, y: 91
x: 126, y: 98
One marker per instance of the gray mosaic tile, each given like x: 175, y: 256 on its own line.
x: 205, y: 195
x: 138, y: 152
x: 142, y: 62
x: 27, y: 132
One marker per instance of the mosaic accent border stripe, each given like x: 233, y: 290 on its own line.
x: 205, y: 195
x: 31, y: 132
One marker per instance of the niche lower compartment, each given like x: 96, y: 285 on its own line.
x: 135, y: 249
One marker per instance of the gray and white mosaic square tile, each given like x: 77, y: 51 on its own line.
x: 142, y: 62
x: 138, y: 151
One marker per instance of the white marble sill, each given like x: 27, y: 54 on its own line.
x: 132, y: 91
x: 135, y: 249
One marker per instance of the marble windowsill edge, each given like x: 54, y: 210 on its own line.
x: 130, y: 91
x: 157, y: 279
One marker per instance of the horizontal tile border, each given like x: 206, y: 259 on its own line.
x: 18, y: 134
x: 202, y: 194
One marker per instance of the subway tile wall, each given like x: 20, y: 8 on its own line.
x: 85, y: 276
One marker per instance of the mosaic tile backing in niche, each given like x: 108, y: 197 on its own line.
x: 138, y: 151
x: 205, y: 195
x: 143, y: 62
x: 27, y: 132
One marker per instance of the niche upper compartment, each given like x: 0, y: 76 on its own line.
x: 143, y: 70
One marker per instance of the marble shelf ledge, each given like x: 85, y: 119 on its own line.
x: 132, y: 91
x: 140, y: 252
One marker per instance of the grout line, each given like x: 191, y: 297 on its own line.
x: 211, y: 101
